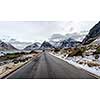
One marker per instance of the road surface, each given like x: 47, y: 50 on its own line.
x: 49, y: 67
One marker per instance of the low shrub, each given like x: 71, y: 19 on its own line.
x: 97, y: 50
x: 96, y: 56
x: 56, y: 50
x: 77, y: 52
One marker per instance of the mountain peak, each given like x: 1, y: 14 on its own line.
x: 93, y: 34
x: 46, y: 45
x: 34, y: 46
x: 70, y: 42
x: 6, y: 46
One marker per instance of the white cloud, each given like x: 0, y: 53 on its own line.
x: 40, y: 30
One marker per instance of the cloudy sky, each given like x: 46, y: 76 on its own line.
x: 31, y: 31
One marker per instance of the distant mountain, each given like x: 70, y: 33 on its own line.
x: 55, y: 43
x: 93, y: 34
x: 34, y: 46
x: 76, y: 36
x: 46, y: 45
x: 68, y: 43
x: 18, y: 44
x: 56, y: 37
x: 6, y: 46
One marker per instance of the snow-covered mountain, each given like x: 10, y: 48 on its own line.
x: 93, y: 34
x: 55, y: 38
x: 6, y: 46
x: 18, y: 44
x: 55, y: 43
x: 76, y: 36
x: 70, y: 42
x: 46, y: 45
x: 34, y: 46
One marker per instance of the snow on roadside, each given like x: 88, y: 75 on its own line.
x: 73, y: 61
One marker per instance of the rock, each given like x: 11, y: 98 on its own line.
x: 93, y: 34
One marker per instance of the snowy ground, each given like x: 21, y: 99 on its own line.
x: 75, y: 61
x: 5, y: 52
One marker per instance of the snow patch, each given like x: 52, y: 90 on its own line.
x: 73, y: 61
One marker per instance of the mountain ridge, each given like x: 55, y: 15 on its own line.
x: 6, y: 46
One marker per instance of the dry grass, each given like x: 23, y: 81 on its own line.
x: 90, y: 63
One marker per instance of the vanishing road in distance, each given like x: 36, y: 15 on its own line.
x: 49, y: 67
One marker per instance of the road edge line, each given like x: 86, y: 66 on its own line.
x: 17, y: 69
x: 90, y: 73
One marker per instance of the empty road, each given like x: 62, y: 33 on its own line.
x: 49, y: 67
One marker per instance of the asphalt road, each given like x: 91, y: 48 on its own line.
x: 49, y: 67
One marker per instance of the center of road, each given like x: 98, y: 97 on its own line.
x: 47, y: 66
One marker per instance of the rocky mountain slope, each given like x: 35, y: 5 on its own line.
x: 34, y: 46
x: 6, y: 46
x: 46, y: 45
x: 70, y: 42
x: 93, y: 34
